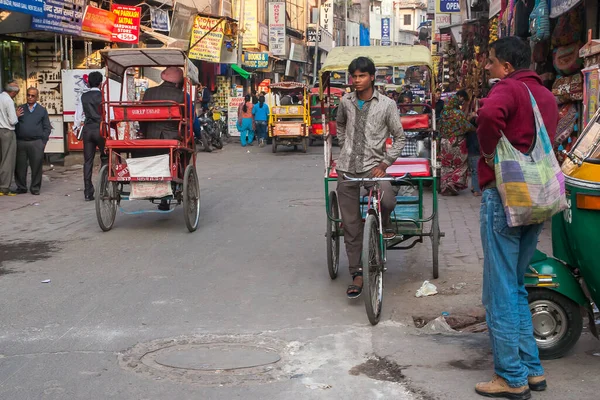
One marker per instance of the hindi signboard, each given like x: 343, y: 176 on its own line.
x: 98, y: 24
x: 31, y: 7
x: 61, y: 16
x: 209, y: 48
x: 127, y: 25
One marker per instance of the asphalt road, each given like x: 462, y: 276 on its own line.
x: 126, y: 312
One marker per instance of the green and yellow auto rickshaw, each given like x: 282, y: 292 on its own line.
x: 565, y: 288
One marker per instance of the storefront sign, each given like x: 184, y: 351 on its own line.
x: 442, y: 20
x: 326, y: 20
x: 385, y: 32
x: 98, y: 24
x: 127, y: 25
x: 61, y: 16
x: 559, y: 7
x: 591, y: 91
x: 298, y: 51
x: 182, y: 22
x: 277, y: 39
x: 56, y: 141
x: 159, y: 20
x: 311, y: 35
x: 448, y: 6
x: 256, y: 60
x: 209, y: 48
x: 31, y: 7
x: 430, y: 6
x: 232, y: 115
x: 250, y: 24
x: 263, y: 34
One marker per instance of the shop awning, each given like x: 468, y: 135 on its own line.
x: 242, y: 72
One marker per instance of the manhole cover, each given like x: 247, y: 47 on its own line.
x: 210, y: 360
x: 225, y: 356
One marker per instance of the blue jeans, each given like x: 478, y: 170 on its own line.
x: 506, y: 255
x: 261, y: 129
x: 473, y: 160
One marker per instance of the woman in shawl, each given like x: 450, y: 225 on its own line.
x: 246, y: 122
x: 453, y: 130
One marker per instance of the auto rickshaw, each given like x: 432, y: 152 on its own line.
x: 316, y: 122
x: 288, y: 123
x: 565, y: 287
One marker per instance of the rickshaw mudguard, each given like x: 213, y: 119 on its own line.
x: 549, y: 273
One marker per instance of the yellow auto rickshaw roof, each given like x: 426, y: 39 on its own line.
x: 339, y: 58
x: 587, y: 152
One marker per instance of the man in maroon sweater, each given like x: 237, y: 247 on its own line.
x: 508, y: 251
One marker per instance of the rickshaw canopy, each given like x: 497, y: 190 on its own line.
x: 288, y: 86
x: 118, y: 60
x: 383, y: 56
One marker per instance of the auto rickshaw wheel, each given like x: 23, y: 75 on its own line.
x: 435, y: 244
x: 274, y: 145
x: 372, y: 266
x: 191, y: 198
x: 106, y: 200
x: 333, y: 237
x: 304, y: 144
x: 557, y: 322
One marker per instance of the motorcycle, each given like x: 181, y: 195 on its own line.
x: 208, y: 134
x: 565, y: 287
x: 220, y: 118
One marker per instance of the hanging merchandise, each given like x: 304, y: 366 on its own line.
x: 567, y: 122
x: 523, y: 10
x: 559, y: 7
x: 539, y: 23
x: 566, y: 59
x: 493, y: 35
x: 569, y: 28
x: 568, y: 88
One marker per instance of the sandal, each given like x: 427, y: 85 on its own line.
x: 354, y: 291
x: 389, y: 234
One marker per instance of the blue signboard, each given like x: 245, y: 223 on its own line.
x: 448, y: 6
x: 385, y: 32
x: 31, y: 7
x: 256, y: 60
x: 61, y: 16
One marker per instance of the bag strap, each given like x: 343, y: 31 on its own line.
x: 540, y: 128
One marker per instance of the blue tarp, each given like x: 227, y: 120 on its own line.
x: 365, y: 36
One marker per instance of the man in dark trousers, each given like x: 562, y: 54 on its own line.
x: 89, y: 112
x: 33, y: 132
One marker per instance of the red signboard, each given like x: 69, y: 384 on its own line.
x: 127, y: 23
x: 98, y: 23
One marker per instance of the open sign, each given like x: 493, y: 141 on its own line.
x: 449, y: 6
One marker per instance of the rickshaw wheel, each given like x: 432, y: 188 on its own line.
x: 191, y: 198
x: 372, y: 265
x: 106, y: 200
x: 557, y: 322
x: 304, y: 145
x: 274, y: 145
x: 435, y: 245
x: 333, y: 237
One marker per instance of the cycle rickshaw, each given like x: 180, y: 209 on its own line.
x: 408, y: 217
x: 154, y: 169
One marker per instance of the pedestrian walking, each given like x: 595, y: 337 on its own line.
x: 33, y: 132
x: 89, y: 114
x: 9, y: 117
x: 508, y: 110
x: 260, y: 112
x: 365, y: 119
x: 246, y: 122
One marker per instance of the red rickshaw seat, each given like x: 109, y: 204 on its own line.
x: 146, y: 112
x: 416, y: 167
x: 143, y: 143
x: 415, y: 122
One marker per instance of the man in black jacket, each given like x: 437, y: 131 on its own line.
x: 89, y: 112
x: 33, y: 132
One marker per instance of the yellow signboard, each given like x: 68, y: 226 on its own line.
x: 209, y: 48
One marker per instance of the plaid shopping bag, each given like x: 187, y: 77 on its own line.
x: 532, y: 186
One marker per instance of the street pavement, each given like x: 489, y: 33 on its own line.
x: 151, y: 311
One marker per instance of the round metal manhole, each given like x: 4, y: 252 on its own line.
x: 210, y: 360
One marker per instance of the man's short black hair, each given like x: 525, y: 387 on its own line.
x: 362, y: 64
x: 463, y: 93
x: 513, y: 50
x: 95, y: 79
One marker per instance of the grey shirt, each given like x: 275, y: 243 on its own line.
x: 362, y: 133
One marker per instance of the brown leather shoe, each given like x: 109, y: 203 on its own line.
x: 498, y: 387
x: 537, y: 383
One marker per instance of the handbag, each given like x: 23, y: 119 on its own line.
x: 531, y: 186
x: 539, y: 22
x: 566, y: 59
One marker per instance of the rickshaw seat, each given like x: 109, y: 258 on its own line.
x: 415, y: 122
x: 143, y: 143
x: 416, y: 167
x: 148, y: 111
